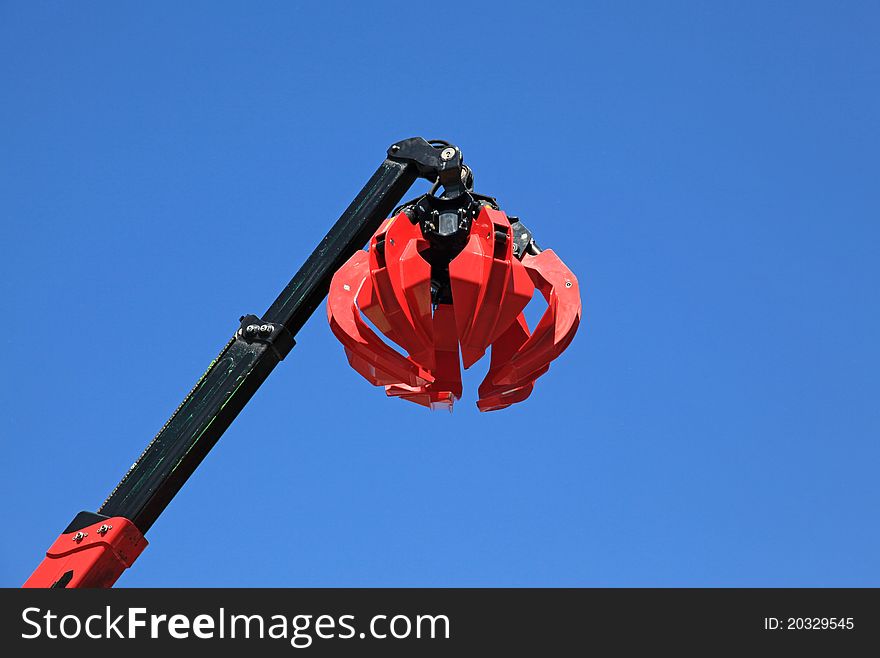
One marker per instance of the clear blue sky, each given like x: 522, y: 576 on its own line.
x: 708, y: 170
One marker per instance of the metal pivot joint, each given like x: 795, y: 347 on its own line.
x: 438, y: 161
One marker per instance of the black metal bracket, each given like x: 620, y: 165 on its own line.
x: 523, y: 242
x: 437, y: 161
x: 273, y: 334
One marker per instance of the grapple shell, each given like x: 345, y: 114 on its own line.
x: 391, y: 284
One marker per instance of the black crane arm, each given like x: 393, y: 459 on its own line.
x: 96, y: 548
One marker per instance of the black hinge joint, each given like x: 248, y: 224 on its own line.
x: 438, y: 163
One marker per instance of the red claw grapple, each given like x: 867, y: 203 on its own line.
x: 444, y: 275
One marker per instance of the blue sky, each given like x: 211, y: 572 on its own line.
x: 708, y: 170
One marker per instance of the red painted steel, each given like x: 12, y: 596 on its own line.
x: 391, y: 285
x: 94, y: 556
